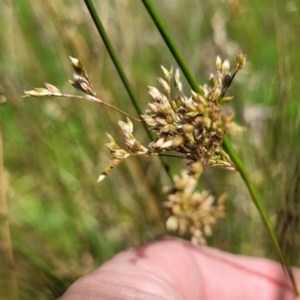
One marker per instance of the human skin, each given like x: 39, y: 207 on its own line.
x: 175, y: 269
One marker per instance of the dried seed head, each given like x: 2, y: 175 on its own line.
x: 50, y: 90
x: 218, y: 63
x: 117, y: 156
x: 188, y: 128
x: 240, y: 60
x: 76, y: 63
x: 191, y: 212
x: 177, y: 141
x: 216, y: 94
x: 212, y: 80
x: 53, y: 89
x: 82, y: 84
x: 81, y: 81
x: 225, y: 67
x: 164, y: 85
x: 149, y: 120
x: 133, y: 145
x: 155, y: 93
x: 78, y: 67
x: 177, y: 81
x: 172, y: 223
x: 199, y: 98
x: 194, y: 126
x: 167, y: 74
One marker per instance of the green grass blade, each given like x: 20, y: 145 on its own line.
x: 119, y: 68
x: 113, y: 55
x: 227, y: 144
x: 172, y: 46
x: 255, y: 198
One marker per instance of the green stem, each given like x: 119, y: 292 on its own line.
x: 89, y: 4
x: 113, y: 56
x: 227, y: 144
x: 242, y: 170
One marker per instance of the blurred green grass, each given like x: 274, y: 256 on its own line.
x: 63, y: 223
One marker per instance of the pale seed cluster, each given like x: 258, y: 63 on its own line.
x: 190, y: 128
x: 81, y: 81
x: 190, y: 211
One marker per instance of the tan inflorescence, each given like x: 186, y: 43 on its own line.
x: 191, y: 128
x: 190, y: 211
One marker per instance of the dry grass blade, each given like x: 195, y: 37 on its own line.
x: 11, y: 289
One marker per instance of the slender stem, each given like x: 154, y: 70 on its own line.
x: 166, y: 155
x: 156, y: 154
x: 87, y: 97
x: 241, y: 168
x: 227, y: 144
x: 172, y: 46
x: 114, y: 58
x: 98, y: 100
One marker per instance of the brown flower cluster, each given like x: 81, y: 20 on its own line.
x: 118, y: 154
x: 190, y: 128
x: 190, y: 211
x: 81, y: 81
x: 193, y: 127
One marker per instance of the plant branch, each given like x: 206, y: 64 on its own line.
x: 96, y: 99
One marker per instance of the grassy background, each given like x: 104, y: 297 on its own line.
x: 62, y: 223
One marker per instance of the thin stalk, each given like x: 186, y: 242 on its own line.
x: 88, y: 97
x: 114, y: 58
x: 241, y: 168
x: 110, y: 106
x: 227, y: 144
x: 100, y: 101
x: 157, y: 154
x: 89, y: 4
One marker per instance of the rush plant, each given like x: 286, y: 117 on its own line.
x: 192, y: 127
